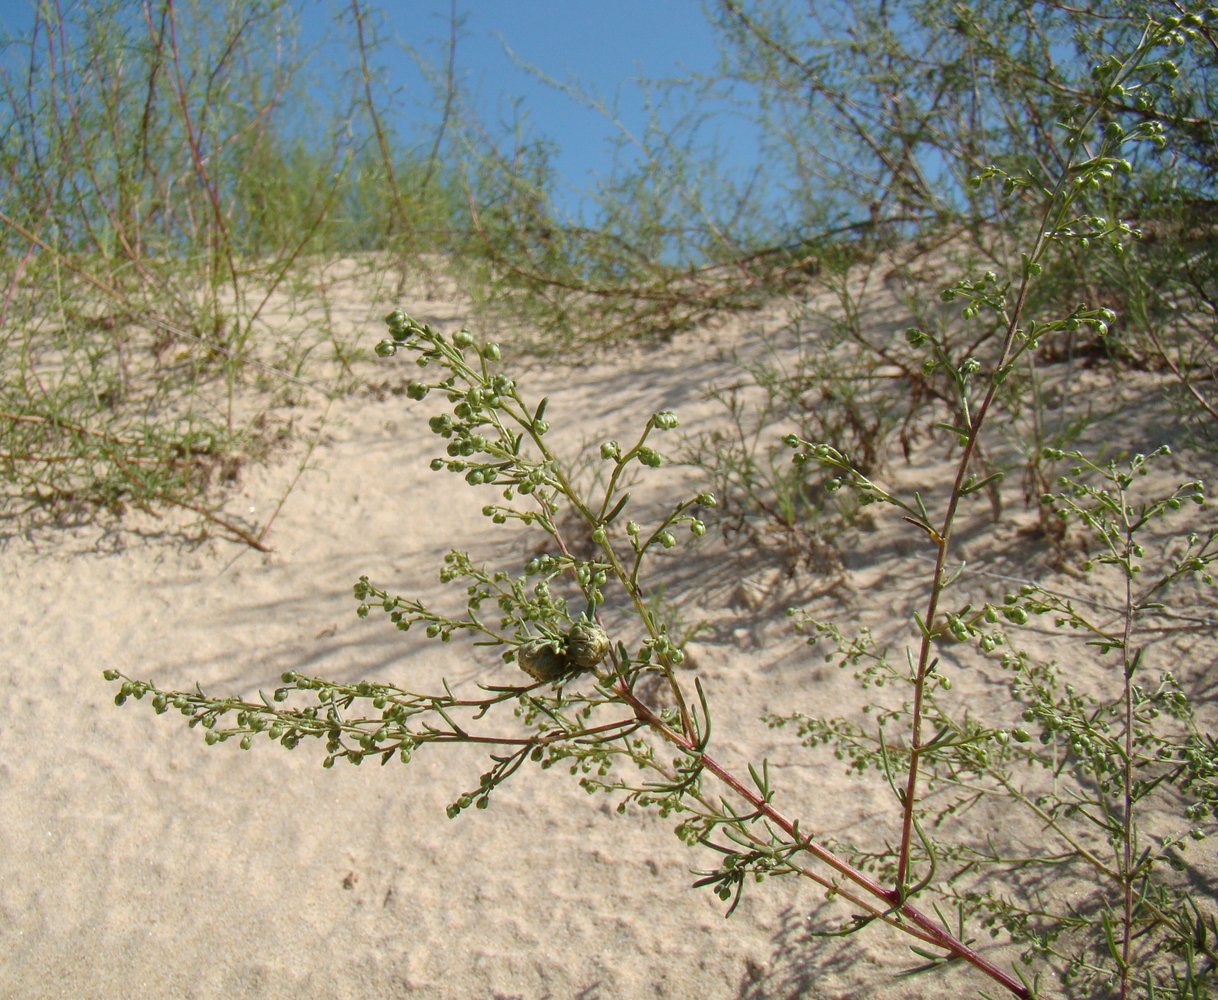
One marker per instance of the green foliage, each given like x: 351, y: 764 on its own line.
x: 875, y: 122
x: 1090, y: 752
x: 1103, y: 749
x: 165, y: 180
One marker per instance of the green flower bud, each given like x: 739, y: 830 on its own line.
x: 463, y: 339
x: 665, y: 420
x: 650, y: 457
x: 491, y: 352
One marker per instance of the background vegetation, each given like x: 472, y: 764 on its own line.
x: 173, y: 175
x: 1029, y: 184
x: 175, y: 180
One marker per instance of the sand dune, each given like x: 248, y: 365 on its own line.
x: 138, y: 863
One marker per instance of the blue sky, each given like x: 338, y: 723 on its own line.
x: 607, y: 48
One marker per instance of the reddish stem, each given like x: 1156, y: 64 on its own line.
x: 941, y: 936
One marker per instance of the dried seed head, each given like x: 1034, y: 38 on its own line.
x: 587, y: 645
x: 542, y: 659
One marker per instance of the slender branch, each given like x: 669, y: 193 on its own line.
x: 940, y: 935
x: 450, y: 97
x: 378, y: 129
x: 221, y: 242
x: 1127, y: 823
x: 1185, y: 380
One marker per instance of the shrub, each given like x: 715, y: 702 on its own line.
x: 160, y: 205
x: 1100, y: 745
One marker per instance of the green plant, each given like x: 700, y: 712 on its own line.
x: 1120, y: 776
x: 824, y: 377
x: 1092, y: 750
x: 162, y: 218
x: 600, y: 727
x: 872, y: 120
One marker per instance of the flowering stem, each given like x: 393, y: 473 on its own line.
x: 896, y: 905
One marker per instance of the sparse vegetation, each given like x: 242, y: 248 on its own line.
x: 171, y: 195
x: 1027, y: 188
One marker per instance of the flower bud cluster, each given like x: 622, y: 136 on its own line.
x: 662, y: 648
x: 478, y: 444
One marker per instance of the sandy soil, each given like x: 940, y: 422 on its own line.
x: 139, y: 864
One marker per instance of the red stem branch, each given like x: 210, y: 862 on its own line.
x: 897, y: 906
